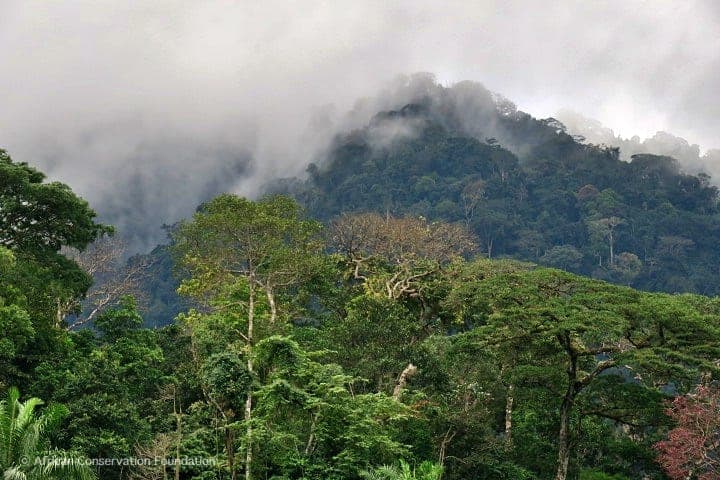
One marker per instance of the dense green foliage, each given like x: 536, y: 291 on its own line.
x: 37, y: 282
x: 41, y: 217
x: 297, y: 363
x: 384, y: 344
x: 25, y: 452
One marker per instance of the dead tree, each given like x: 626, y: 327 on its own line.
x: 113, y: 278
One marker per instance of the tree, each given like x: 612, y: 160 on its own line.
x: 587, y: 193
x: 113, y: 276
x: 674, y: 247
x: 160, y: 448
x: 314, y: 422
x: 227, y: 383
x: 379, y: 337
x: 604, y: 230
x: 37, y: 220
x: 41, y: 217
x: 491, y: 222
x: 392, y: 255
x: 25, y: 450
x: 692, y: 449
x: 396, y: 261
x: 237, y: 252
x: 565, y: 257
x: 627, y: 267
x: 590, y: 332
x: 471, y: 196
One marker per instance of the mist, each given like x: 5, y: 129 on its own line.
x: 690, y: 157
x: 148, y: 108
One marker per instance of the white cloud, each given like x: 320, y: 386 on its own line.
x: 97, y: 88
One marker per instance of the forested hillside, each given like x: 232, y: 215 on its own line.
x: 376, y: 347
x: 394, y: 316
x: 527, y: 188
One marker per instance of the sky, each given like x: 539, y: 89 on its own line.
x: 168, y: 101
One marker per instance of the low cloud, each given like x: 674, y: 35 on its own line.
x: 147, y: 108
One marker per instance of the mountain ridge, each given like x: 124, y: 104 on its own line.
x: 540, y: 194
x: 529, y: 188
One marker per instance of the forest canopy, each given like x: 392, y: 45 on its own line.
x: 379, y: 346
x: 527, y: 189
x: 455, y: 290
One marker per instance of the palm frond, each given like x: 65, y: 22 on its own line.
x: 23, y: 441
x: 14, y: 473
x: 62, y: 465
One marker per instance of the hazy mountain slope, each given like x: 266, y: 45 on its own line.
x: 662, y: 143
x: 527, y: 188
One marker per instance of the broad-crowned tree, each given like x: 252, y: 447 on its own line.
x: 593, y: 333
x: 41, y: 217
x: 392, y: 256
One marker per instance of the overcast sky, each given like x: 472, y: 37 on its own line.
x: 92, y: 89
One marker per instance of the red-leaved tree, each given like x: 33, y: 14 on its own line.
x: 692, y: 449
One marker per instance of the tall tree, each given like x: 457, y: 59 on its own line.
x: 391, y: 256
x: 113, y: 277
x: 37, y: 220
x: 604, y: 230
x: 241, y: 254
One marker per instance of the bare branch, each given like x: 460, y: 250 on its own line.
x: 113, y: 278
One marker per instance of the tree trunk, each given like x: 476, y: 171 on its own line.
x: 311, y: 438
x: 230, y: 451
x: 271, y: 302
x: 248, y: 402
x: 564, y: 437
x: 509, y: 399
x: 409, y: 371
x: 565, y: 412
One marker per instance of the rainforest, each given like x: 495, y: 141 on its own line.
x: 359, y: 240
x: 428, y: 305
